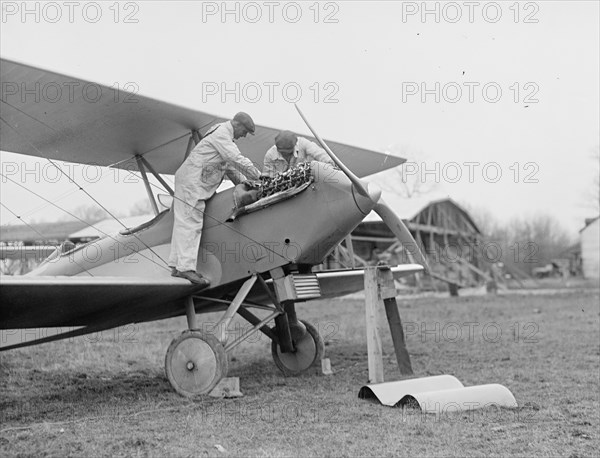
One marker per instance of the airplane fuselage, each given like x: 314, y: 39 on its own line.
x: 301, y: 230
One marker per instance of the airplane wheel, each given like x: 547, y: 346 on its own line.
x: 195, y: 363
x: 309, y: 349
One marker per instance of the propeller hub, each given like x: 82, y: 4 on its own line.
x: 374, y: 192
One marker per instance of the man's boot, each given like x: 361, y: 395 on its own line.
x: 193, y: 277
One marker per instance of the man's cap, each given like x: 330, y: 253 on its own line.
x: 286, y: 141
x: 245, y: 120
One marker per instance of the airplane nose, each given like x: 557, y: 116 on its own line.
x: 366, y: 204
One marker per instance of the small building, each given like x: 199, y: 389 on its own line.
x: 589, y: 238
x: 40, y: 233
x: 48, y: 236
x: 44, y: 236
x: 573, y: 254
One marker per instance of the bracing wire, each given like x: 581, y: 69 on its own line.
x: 82, y: 189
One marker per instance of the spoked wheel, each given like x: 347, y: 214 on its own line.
x: 309, y: 349
x: 195, y: 363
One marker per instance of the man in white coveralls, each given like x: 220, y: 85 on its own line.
x: 196, y: 180
x: 289, y: 150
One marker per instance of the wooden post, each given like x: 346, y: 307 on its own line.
x: 372, y: 310
x: 388, y: 294
x: 380, y: 288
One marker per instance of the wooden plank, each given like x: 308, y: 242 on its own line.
x: 482, y: 273
x: 366, y: 238
x: 392, y: 247
x: 395, y: 322
x: 360, y: 260
x: 419, y: 240
x: 432, y: 244
x: 343, y: 257
x: 436, y: 229
x: 350, y: 249
x: 412, y: 261
x: 470, y: 266
x: 336, y: 258
x: 372, y: 310
x: 357, y: 260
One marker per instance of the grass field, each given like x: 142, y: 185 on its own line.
x: 107, y: 394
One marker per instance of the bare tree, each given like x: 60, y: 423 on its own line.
x: 483, y: 217
x: 538, y: 239
x: 141, y: 207
x: 89, y: 213
x: 524, y: 243
x: 409, y: 180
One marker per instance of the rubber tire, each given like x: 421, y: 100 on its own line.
x: 290, y: 364
x: 208, y: 357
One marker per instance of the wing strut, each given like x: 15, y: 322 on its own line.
x: 157, y: 176
x: 142, y: 170
x: 194, y: 140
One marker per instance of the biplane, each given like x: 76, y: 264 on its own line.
x: 259, y: 257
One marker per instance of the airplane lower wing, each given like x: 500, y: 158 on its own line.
x: 338, y: 283
x: 91, y: 304
x: 30, y: 301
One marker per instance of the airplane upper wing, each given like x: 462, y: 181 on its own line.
x: 60, y: 117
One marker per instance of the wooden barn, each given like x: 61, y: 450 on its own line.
x: 444, y: 231
x: 42, y: 238
x: 589, y: 238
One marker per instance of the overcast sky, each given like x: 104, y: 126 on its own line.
x: 469, y: 90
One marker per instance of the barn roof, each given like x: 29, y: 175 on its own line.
x: 67, y: 230
x: 50, y: 231
x: 409, y: 208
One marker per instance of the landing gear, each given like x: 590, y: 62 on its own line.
x: 195, y: 363
x: 308, y: 349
